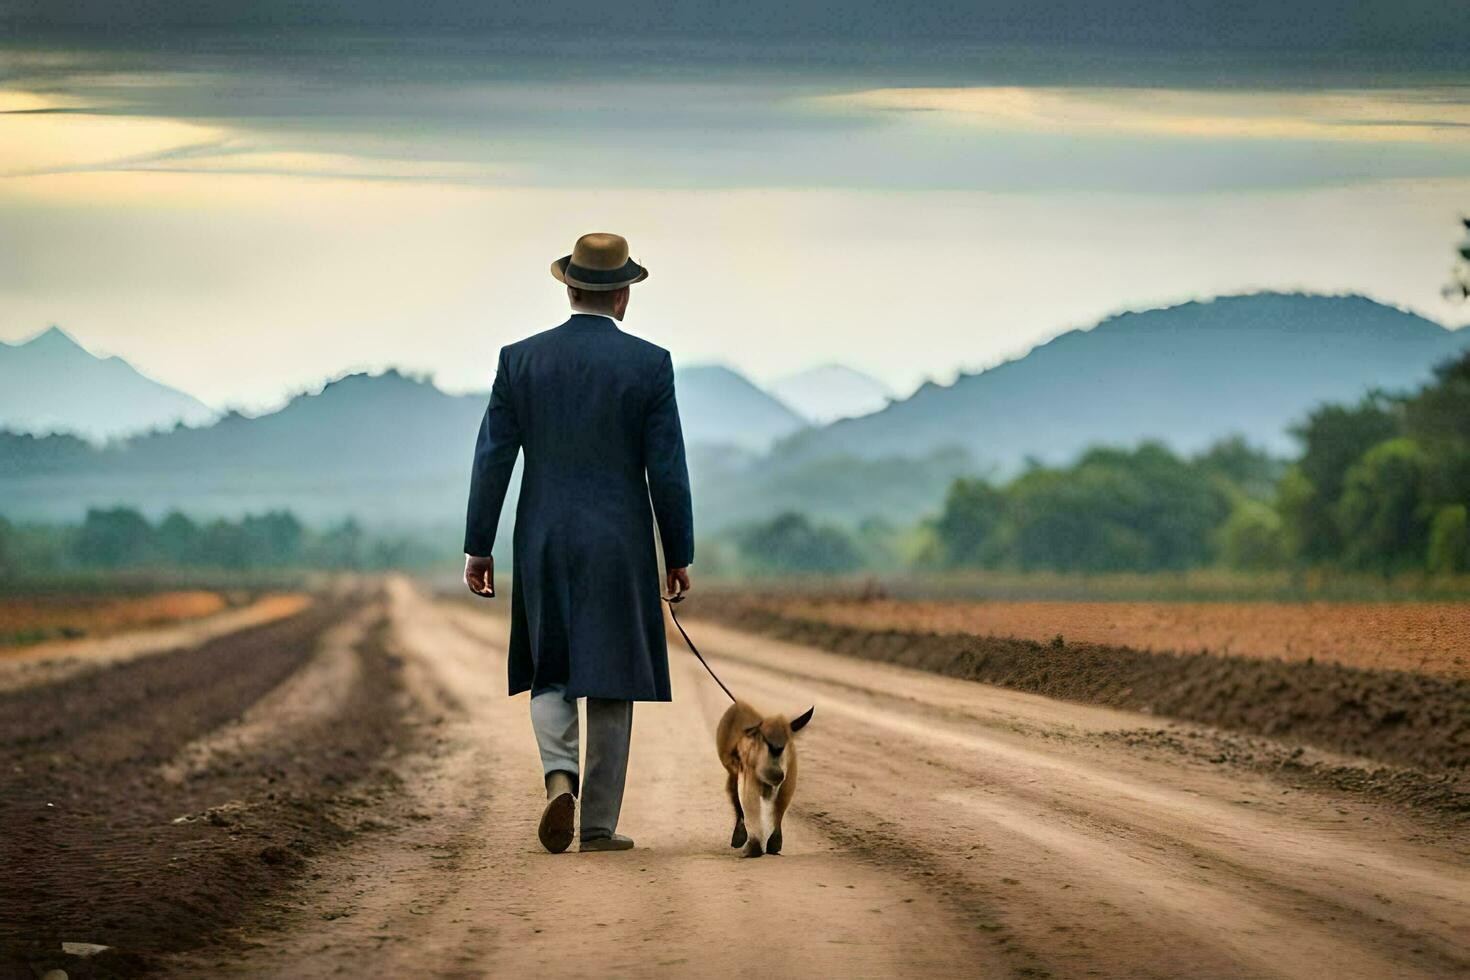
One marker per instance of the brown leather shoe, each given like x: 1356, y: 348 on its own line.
x: 557, y: 821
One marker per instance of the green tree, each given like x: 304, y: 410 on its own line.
x: 1380, y: 515
x: 1247, y: 471
x: 1251, y: 538
x: 343, y: 546
x: 1334, y: 438
x: 1073, y: 521
x: 178, y: 540
x: 1449, y: 540
x: 223, y: 544
x: 790, y: 542
x: 1114, y: 510
x: 273, y: 539
x: 878, y: 542
x: 1302, y: 516
x: 1438, y: 418
x: 966, y: 528
x: 113, y: 538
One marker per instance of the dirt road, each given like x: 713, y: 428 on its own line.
x: 941, y: 828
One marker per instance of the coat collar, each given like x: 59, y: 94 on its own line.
x: 594, y: 321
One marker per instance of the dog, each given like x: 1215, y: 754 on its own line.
x: 759, y: 756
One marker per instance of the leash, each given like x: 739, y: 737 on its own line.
x: 673, y: 601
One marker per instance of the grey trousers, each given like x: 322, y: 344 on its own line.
x: 609, y: 731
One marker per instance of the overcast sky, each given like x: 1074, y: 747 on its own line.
x: 244, y: 207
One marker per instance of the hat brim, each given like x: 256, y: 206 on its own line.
x: 597, y: 280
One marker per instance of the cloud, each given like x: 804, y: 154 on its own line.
x: 1286, y: 31
x: 42, y: 134
x: 46, y: 135
x: 239, y: 288
x: 1427, y: 115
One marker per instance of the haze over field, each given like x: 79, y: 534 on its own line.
x: 394, y: 450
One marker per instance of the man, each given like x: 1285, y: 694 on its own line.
x: 593, y: 408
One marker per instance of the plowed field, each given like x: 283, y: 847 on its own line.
x: 1431, y: 638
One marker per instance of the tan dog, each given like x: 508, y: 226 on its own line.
x: 759, y: 754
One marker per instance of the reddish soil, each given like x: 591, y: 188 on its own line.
x: 32, y: 620
x: 1390, y: 716
x: 1426, y: 637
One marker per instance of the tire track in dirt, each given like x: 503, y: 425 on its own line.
x: 467, y: 890
x: 1395, y: 717
x: 306, y: 699
x: 1112, y: 863
x: 107, y: 838
x: 51, y: 662
x: 942, y: 827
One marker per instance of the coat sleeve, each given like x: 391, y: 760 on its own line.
x: 496, y: 448
x: 668, y: 472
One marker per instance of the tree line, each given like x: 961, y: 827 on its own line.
x: 1380, y: 486
x: 123, y: 538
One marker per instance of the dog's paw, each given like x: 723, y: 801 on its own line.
x: 773, y: 846
x: 752, y: 849
x: 738, y: 838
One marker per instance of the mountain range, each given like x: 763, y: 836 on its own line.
x: 50, y: 383
x: 830, y: 392
x: 721, y: 407
x: 1185, y: 375
x: 395, y: 450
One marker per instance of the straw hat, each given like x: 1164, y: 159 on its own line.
x: 598, y: 262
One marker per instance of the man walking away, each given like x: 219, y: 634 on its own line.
x: 593, y: 410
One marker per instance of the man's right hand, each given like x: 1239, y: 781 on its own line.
x: 479, y: 575
x: 677, y: 581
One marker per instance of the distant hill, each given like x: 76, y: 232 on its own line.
x: 395, y: 451
x: 719, y: 406
x: 385, y: 448
x: 388, y: 449
x: 831, y: 392
x: 359, y: 427
x: 1186, y: 375
x: 51, y: 383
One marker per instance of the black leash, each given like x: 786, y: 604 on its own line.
x: 674, y: 600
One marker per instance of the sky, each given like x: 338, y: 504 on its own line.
x: 245, y: 200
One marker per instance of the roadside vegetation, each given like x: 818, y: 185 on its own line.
x: 119, y: 549
x: 1374, y: 506
x: 1379, y: 491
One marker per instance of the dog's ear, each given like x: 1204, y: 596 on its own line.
x: 800, y: 721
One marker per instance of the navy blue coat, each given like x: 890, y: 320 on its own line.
x: 593, y: 409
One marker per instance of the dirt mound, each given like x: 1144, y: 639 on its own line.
x: 1443, y: 793
x: 1388, y: 716
x: 99, y: 846
x: 1421, y: 637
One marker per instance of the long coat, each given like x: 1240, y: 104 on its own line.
x: 593, y: 410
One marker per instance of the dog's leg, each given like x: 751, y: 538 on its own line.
x: 783, y: 800
x: 750, y: 799
x: 732, y: 786
x: 770, y: 830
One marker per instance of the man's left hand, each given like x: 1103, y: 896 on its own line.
x: 479, y: 575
